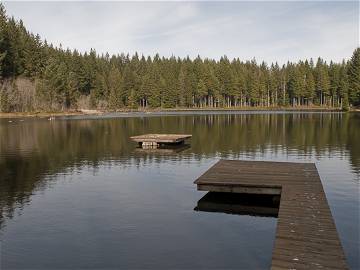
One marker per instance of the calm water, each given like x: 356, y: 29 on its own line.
x: 76, y: 193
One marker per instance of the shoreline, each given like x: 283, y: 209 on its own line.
x: 160, y: 110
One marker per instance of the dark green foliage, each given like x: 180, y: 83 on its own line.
x: 115, y: 88
x: 131, y: 87
x: 182, y: 89
x: 4, y: 101
x: 33, y: 57
x: 309, y: 91
x: 64, y: 78
x: 322, y: 82
x: 354, y: 78
x: 343, y: 89
x: 4, y: 43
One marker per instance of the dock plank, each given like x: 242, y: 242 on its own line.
x: 306, y: 235
x: 161, y: 138
x: 153, y: 141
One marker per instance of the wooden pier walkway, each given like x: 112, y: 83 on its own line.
x: 154, y: 140
x: 306, y: 236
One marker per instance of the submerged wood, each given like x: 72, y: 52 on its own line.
x: 306, y: 236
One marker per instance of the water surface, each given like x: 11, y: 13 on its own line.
x: 76, y: 193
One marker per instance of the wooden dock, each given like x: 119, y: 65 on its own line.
x: 306, y: 236
x: 155, y: 140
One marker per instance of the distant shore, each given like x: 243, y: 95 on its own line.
x: 159, y: 110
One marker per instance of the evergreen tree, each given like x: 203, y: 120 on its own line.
x: 151, y: 88
x: 354, y: 78
x: 322, y: 82
x: 4, y: 101
x: 181, y: 88
x: 275, y: 83
x: 225, y: 77
x: 3, y: 44
x: 33, y: 56
x: 202, y: 93
x: 97, y: 94
x: 334, y: 83
x: 131, y: 85
x: 263, y: 85
x: 310, y: 87
x: 253, y: 86
x: 115, y: 85
x: 71, y: 92
x: 53, y: 86
x: 343, y: 90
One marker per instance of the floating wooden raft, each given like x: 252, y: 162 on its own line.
x: 154, y: 140
x: 306, y: 236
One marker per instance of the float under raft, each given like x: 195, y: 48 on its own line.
x: 155, y: 140
x: 306, y: 235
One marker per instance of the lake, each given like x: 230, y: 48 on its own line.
x: 77, y: 193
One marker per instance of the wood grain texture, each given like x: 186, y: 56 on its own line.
x: 306, y: 235
x: 161, y: 138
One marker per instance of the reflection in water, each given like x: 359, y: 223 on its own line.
x: 163, y: 150
x: 36, y: 153
x: 239, y: 204
x: 32, y: 149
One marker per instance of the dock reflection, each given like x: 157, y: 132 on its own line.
x: 167, y: 150
x: 239, y: 204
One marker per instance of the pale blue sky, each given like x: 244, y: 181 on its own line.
x: 269, y: 31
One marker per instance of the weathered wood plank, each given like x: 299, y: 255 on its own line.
x: 161, y: 138
x: 306, y: 235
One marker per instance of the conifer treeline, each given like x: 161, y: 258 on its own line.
x: 63, y: 79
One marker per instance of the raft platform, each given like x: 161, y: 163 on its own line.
x: 156, y: 140
x: 306, y: 235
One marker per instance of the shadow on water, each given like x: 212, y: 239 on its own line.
x: 240, y: 204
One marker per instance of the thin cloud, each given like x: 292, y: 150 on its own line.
x: 269, y: 31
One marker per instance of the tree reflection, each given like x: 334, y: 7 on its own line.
x: 33, y: 151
